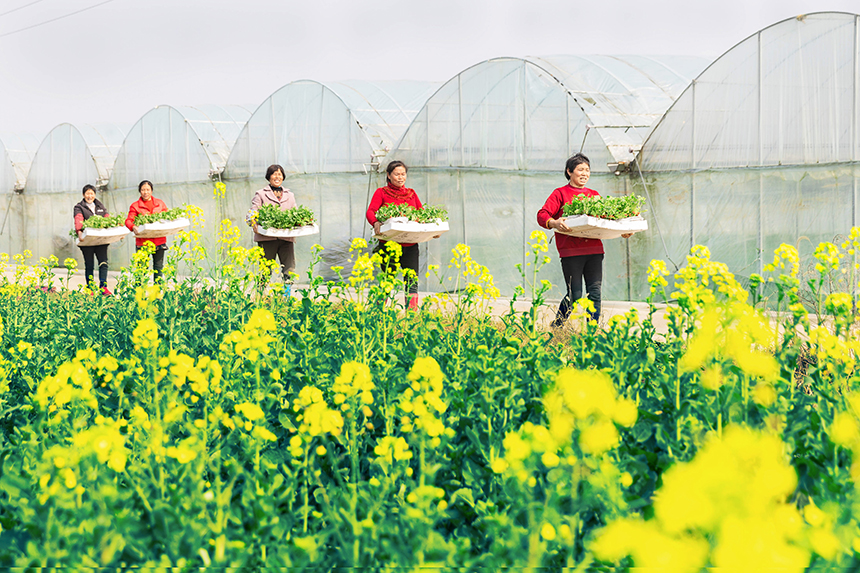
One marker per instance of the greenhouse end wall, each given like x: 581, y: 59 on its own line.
x: 743, y: 215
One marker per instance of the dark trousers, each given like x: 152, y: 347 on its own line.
x: 157, y: 261
x: 285, y: 251
x: 100, y: 253
x: 408, y: 260
x: 575, y: 269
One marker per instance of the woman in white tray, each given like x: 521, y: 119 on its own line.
x: 146, y: 205
x: 281, y: 247
x: 92, y: 207
x: 581, y: 258
x: 396, y: 193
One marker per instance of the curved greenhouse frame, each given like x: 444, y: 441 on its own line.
x: 787, y: 95
x: 178, y: 144
x: 533, y: 113
x: 8, y: 177
x: 336, y: 127
x: 70, y: 157
x: 17, y: 155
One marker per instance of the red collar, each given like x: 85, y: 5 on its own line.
x: 402, y: 193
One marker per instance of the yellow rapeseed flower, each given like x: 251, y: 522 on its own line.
x: 251, y: 411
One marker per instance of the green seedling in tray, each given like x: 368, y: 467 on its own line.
x: 427, y: 214
x: 169, y: 215
x: 605, y: 207
x: 104, y: 222
x: 271, y: 217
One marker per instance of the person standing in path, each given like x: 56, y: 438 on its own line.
x: 581, y: 258
x: 146, y: 205
x: 396, y: 193
x: 92, y: 207
x: 281, y: 247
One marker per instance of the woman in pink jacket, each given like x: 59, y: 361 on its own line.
x: 283, y: 248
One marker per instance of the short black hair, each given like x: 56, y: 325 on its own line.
x: 87, y: 187
x: 145, y: 182
x: 394, y: 165
x: 573, y: 162
x: 271, y: 171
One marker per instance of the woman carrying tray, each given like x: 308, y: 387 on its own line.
x: 147, y: 205
x: 581, y: 258
x: 91, y: 207
x: 282, y: 247
x: 396, y: 193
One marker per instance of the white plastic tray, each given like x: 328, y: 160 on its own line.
x: 402, y: 230
x: 162, y: 228
x: 95, y: 237
x: 594, y: 228
x: 286, y: 233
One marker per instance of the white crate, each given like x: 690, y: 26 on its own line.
x: 95, y: 237
x: 287, y: 233
x: 594, y: 228
x: 162, y: 228
x: 402, y: 230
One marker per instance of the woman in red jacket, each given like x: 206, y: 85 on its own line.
x: 396, y: 193
x: 580, y: 258
x: 146, y: 205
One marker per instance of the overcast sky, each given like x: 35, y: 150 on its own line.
x: 115, y: 59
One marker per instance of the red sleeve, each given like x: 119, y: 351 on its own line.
x: 551, y: 209
x: 132, y: 215
x: 79, y: 221
x: 375, y: 204
x: 417, y: 204
x: 160, y: 206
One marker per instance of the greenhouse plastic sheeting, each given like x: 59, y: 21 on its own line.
x: 63, y: 162
x: 743, y: 215
x: 178, y: 144
x: 104, y: 141
x: 70, y: 157
x: 532, y: 114
x: 19, y: 151
x: 310, y: 127
x: 787, y: 95
x: 8, y: 178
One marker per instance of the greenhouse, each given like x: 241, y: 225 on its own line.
x: 526, y: 114
x: 178, y: 144
x: 491, y: 144
x: 70, y: 157
x: 337, y: 127
x: 328, y: 137
x: 67, y: 158
x: 760, y: 149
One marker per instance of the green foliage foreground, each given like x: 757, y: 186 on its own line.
x: 211, y: 424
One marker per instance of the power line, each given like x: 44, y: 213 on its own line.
x: 21, y: 7
x: 55, y: 19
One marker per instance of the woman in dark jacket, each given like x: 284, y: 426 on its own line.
x: 92, y: 207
